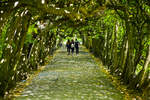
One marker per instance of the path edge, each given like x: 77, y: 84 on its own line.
x: 19, y: 88
x: 114, y: 80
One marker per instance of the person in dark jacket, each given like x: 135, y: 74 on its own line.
x: 72, y: 46
x: 68, y: 45
x: 77, y: 46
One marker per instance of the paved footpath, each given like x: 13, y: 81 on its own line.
x: 69, y: 77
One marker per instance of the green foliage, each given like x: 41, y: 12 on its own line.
x: 32, y: 30
x: 117, y: 32
x: 147, y: 8
x: 121, y: 41
x: 3, y: 35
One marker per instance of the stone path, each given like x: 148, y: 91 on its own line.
x: 69, y: 77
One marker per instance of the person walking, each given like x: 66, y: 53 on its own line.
x: 72, y: 46
x: 68, y: 45
x: 77, y: 46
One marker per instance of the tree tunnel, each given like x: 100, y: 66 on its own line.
x: 116, y: 31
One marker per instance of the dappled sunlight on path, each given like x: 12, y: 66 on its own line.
x: 68, y: 77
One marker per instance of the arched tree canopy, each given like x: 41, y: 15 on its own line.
x: 117, y: 31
